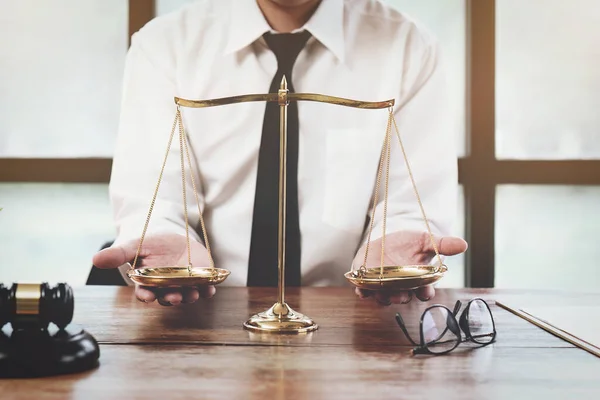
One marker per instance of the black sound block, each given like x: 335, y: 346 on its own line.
x: 32, y: 353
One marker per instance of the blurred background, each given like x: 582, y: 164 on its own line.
x: 525, y: 86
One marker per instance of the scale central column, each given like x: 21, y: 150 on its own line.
x: 280, y: 318
x: 282, y: 226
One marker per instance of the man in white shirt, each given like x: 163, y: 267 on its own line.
x: 358, y: 49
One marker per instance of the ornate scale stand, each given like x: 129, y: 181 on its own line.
x: 280, y: 318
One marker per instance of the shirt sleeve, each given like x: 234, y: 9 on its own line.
x: 148, y: 112
x: 424, y: 125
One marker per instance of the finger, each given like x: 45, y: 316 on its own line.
x: 363, y: 293
x: 144, y: 294
x: 403, y: 297
x: 174, y: 297
x: 383, y: 298
x: 450, y: 246
x: 115, y: 256
x: 163, y: 302
x: 207, y: 292
x: 190, y: 295
x: 425, y: 293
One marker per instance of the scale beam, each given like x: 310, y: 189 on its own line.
x: 274, y: 97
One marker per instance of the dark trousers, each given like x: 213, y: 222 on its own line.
x: 110, y: 277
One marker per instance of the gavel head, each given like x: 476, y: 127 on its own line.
x: 36, y: 305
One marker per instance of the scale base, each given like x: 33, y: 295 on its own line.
x: 280, y: 319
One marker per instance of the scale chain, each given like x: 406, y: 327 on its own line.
x: 162, y: 170
x: 185, y: 210
x: 376, y: 195
x: 385, y: 199
x: 385, y: 159
x: 184, y: 151
x: 412, y: 180
x: 202, y: 224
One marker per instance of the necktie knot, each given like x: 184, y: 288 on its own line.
x: 286, y: 47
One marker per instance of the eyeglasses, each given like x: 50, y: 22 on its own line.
x: 441, y: 333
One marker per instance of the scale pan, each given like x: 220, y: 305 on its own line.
x: 177, y: 276
x: 405, y: 277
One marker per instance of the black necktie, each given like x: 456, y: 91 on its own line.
x: 262, y: 265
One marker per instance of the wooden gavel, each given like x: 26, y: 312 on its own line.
x: 35, y: 306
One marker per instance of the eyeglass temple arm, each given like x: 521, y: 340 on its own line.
x: 456, y: 321
x: 402, y: 326
x: 457, y: 307
x: 421, y: 350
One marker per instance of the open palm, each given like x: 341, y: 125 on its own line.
x: 406, y: 248
x: 160, y: 251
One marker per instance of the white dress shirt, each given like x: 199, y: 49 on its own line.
x: 360, y: 49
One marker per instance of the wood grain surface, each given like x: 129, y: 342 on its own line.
x: 113, y: 315
x: 201, y: 351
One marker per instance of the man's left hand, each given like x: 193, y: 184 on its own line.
x: 407, y: 248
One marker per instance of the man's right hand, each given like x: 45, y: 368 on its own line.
x: 160, y: 251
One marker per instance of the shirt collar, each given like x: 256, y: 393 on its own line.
x: 327, y: 26
x: 247, y: 24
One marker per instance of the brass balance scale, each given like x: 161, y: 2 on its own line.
x: 281, y: 318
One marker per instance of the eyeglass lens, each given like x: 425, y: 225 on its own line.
x: 480, y: 322
x: 440, y: 330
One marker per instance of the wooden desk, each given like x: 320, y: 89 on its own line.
x: 201, y: 351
